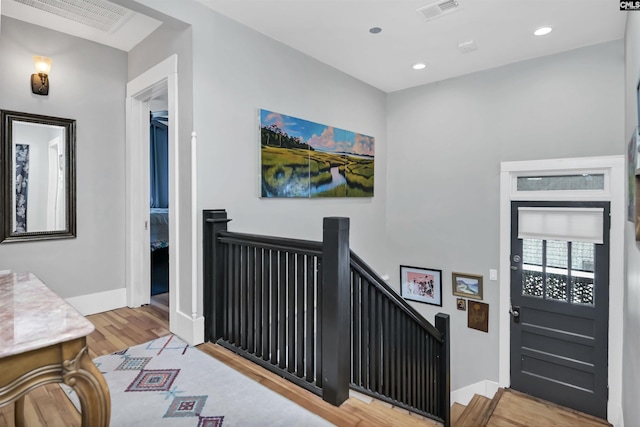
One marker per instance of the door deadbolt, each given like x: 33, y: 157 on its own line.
x: 516, y: 258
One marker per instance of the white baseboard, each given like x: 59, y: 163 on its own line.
x: 188, y: 329
x: 615, y: 414
x: 99, y: 302
x: 363, y: 397
x: 484, y: 388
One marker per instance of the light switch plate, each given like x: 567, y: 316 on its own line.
x: 493, y: 274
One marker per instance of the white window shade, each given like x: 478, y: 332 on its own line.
x: 566, y: 224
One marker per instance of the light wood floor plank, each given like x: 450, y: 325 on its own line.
x: 516, y: 409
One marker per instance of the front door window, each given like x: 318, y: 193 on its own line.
x: 558, y: 270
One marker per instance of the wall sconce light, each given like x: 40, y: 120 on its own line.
x: 40, y: 80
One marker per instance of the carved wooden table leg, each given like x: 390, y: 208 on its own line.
x: 18, y: 412
x: 46, y: 344
x: 86, y: 380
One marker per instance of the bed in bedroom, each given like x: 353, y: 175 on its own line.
x: 159, y: 228
x: 159, y: 236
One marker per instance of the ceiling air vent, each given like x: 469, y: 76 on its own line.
x: 99, y: 14
x: 468, y: 46
x: 437, y: 9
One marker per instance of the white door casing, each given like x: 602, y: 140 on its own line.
x: 159, y: 79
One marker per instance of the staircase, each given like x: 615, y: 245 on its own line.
x: 316, y: 314
x: 374, y: 412
x: 512, y: 408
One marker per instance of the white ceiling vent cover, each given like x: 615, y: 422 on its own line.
x: 437, y: 9
x: 99, y: 14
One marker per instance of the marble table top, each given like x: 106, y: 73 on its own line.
x: 32, y: 316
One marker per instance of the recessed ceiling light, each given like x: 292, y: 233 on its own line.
x: 419, y: 66
x: 542, y: 31
x: 375, y: 30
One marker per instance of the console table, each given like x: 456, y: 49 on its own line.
x: 43, y: 340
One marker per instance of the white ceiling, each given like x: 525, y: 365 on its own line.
x: 336, y: 32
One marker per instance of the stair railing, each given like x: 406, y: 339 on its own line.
x: 317, y: 315
x: 397, y: 355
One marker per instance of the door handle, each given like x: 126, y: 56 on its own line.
x: 515, y: 313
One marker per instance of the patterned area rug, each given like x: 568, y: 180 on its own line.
x: 166, y: 382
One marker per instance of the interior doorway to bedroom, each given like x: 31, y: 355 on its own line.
x: 157, y: 83
x: 159, y: 217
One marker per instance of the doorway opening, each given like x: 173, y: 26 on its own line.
x: 159, y: 201
x: 158, y: 84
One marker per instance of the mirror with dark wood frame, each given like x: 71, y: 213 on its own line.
x: 37, y: 177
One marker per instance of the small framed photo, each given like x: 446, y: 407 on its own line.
x: 461, y: 304
x: 478, y: 316
x: 421, y: 284
x: 467, y: 285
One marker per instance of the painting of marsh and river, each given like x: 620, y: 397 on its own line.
x: 307, y: 159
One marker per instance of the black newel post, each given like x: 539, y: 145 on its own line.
x: 442, y: 325
x: 214, y: 221
x: 336, y: 310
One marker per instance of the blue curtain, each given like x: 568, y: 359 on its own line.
x: 159, y: 161
x: 22, y: 186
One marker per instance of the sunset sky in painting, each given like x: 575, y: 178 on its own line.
x: 318, y: 136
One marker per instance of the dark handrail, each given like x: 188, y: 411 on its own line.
x: 378, y: 282
x: 266, y: 296
x: 306, y: 246
x: 426, y: 393
x: 259, y: 240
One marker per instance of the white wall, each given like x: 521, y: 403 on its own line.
x: 631, y: 348
x: 447, y: 140
x: 237, y: 71
x: 87, y: 84
x: 248, y: 71
x: 174, y: 38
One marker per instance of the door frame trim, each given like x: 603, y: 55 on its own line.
x: 614, y: 169
x: 159, y: 78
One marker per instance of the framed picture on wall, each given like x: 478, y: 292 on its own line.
x: 467, y: 285
x: 478, y: 316
x: 421, y: 284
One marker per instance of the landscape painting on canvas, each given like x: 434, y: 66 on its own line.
x: 307, y: 159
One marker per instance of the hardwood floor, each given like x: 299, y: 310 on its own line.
x: 125, y: 327
x: 49, y: 406
x: 510, y: 408
x: 514, y: 408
